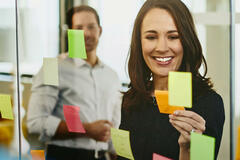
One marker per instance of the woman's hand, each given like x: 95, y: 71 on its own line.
x: 186, y: 122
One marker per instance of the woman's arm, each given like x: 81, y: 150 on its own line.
x: 186, y: 122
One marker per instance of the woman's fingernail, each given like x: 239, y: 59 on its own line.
x: 176, y: 112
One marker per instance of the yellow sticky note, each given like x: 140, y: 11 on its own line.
x: 37, y: 154
x: 121, y: 143
x: 180, y: 89
x: 50, y: 71
x: 162, y: 102
x: 6, y: 106
x: 238, y: 145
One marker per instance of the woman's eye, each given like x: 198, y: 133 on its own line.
x: 150, y: 37
x: 173, y: 37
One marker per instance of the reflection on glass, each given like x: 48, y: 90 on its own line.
x: 39, y: 37
x: 8, y: 128
x: 237, y: 83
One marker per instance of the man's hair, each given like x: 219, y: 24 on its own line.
x: 82, y: 8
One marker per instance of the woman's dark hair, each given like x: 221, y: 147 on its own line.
x: 81, y: 8
x: 139, y: 73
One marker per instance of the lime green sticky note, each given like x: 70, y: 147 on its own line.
x: 202, y: 147
x: 180, y: 89
x: 50, y: 71
x: 76, y: 44
x: 6, y: 106
x: 121, y: 143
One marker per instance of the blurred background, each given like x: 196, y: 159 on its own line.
x: 42, y: 33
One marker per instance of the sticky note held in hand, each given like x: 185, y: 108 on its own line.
x: 121, y: 143
x: 50, y: 71
x: 180, y: 89
x: 6, y: 106
x: 71, y: 114
x: 202, y: 147
x: 37, y: 154
x: 162, y: 102
x: 76, y: 44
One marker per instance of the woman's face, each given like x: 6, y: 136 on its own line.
x: 161, y: 46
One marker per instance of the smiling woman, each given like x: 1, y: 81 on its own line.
x: 164, y: 39
x: 161, y: 46
x: 41, y: 24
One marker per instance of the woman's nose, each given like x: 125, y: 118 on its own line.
x: 162, y: 45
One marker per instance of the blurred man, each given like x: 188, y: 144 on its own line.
x: 89, y: 84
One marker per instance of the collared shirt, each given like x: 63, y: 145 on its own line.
x: 96, y: 90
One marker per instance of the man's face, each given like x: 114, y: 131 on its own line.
x: 87, y: 21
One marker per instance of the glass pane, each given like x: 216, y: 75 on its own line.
x: 215, y: 38
x: 38, y: 38
x: 113, y: 22
x: 9, y: 141
x: 237, y: 83
x: 218, y: 58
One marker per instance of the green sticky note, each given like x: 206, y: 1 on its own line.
x: 121, y: 143
x: 180, y: 89
x: 76, y: 44
x: 6, y: 106
x: 202, y: 147
x: 50, y: 71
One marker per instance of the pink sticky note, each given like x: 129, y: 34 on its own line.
x: 71, y: 114
x: 159, y: 157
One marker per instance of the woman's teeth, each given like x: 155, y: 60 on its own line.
x: 164, y: 59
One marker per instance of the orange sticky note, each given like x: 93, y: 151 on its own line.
x: 238, y: 145
x: 159, y: 157
x: 162, y: 102
x: 37, y: 154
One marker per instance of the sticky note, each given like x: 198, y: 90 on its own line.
x: 71, y: 114
x: 162, y: 102
x: 121, y: 143
x: 76, y: 44
x: 37, y: 154
x: 180, y: 89
x: 202, y: 147
x: 159, y: 157
x: 6, y: 106
x: 50, y: 71
x: 238, y: 145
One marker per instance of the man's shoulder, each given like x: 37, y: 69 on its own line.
x: 65, y: 63
x: 110, y: 71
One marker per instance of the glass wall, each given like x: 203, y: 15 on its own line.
x: 9, y: 128
x: 213, y: 27
x: 42, y: 33
x: 235, y: 77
